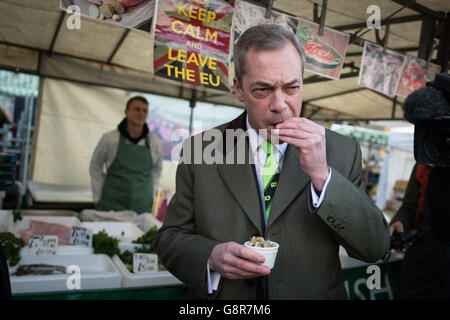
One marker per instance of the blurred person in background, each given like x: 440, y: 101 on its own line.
x: 126, y: 165
x: 418, y: 277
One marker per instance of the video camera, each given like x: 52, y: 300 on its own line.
x: 429, y: 110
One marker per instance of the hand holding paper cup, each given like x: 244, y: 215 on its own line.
x: 267, y: 248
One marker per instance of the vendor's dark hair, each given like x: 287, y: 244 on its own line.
x: 263, y: 37
x: 138, y: 98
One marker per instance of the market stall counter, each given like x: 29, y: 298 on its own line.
x: 103, y: 277
x: 355, y: 276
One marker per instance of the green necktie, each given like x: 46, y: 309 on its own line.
x: 270, y: 175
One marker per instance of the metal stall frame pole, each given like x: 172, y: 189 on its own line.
x: 25, y: 154
x: 192, y: 104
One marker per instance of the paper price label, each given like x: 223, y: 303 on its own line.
x: 43, y: 245
x: 145, y: 262
x: 81, y: 236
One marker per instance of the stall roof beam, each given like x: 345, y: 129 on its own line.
x: 420, y: 8
x: 394, y: 107
x: 118, y: 45
x: 383, y: 22
x: 315, y: 78
x: 323, y: 108
x: 359, y: 119
x: 404, y: 49
x: 335, y: 94
x: 48, y: 52
x: 205, y: 97
x: 427, y: 34
x: 55, y: 35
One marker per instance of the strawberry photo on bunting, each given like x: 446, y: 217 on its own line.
x: 416, y: 74
x: 192, y: 42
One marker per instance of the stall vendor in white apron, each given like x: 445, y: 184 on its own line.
x: 126, y: 165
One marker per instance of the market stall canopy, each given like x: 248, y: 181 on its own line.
x: 34, y: 38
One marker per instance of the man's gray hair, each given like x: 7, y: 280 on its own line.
x: 263, y: 37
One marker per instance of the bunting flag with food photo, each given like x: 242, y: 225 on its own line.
x: 381, y: 71
x: 415, y: 75
x: 324, y: 54
x: 134, y: 14
x: 247, y: 15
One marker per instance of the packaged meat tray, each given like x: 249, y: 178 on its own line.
x: 43, y: 226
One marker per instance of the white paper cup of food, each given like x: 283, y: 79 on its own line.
x: 270, y: 253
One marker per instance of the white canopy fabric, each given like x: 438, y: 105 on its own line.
x: 73, y: 117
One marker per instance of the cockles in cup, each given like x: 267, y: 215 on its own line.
x: 260, y: 242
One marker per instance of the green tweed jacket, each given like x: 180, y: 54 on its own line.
x: 216, y: 203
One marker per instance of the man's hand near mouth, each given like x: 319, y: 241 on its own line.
x: 309, y: 139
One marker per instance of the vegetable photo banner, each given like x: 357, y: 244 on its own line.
x: 381, y: 71
x: 324, y: 54
x: 192, y: 42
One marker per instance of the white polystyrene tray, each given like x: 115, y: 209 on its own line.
x: 126, y: 232
x: 97, y: 272
x: 63, y: 250
x: 130, y: 279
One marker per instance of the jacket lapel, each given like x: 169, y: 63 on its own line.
x: 291, y: 182
x: 241, y: 183
x: 238, y: 177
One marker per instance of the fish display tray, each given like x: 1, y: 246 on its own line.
x: 97, y: 271
x: 143, y: 279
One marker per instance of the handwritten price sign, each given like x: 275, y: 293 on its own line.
x: 43, y: 245
x: 145, y: 262
x: 81, y: 236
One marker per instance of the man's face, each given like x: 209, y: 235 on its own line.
x: 271, y: 89
x: 136, y: 113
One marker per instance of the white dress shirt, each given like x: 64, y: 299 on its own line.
x: 259, y: 156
